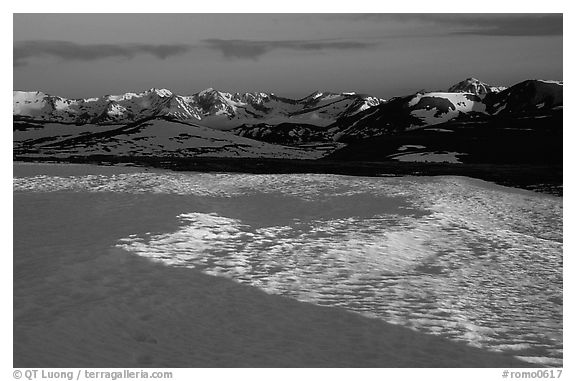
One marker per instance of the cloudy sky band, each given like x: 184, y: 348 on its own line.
x: 290, y: 54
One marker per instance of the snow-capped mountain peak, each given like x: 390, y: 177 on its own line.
x: 474, y: 86
x: 160, y: 92
x: 163, y: 93
x: 315, y: 95
x: 209, y: 90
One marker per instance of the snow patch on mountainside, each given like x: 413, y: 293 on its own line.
x: 152, y: 138
x: 436, y: 107
x: 409, y: 146
x: 561, y: 83
x: 429, y: 157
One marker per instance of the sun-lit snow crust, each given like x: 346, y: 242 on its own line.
x: 449, y: 256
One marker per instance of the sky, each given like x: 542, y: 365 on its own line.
x: 292, y: 55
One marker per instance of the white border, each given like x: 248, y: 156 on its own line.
x: 297, y: 6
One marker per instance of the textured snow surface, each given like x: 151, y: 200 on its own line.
x: 447, y: 256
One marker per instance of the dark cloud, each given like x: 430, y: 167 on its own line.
x: 244, y: 49
x: 249, y: 49
x: 65, y: 50
x: 493, y: 24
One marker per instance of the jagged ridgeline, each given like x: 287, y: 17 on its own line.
x: 209, y: 107
x: 212, y: 123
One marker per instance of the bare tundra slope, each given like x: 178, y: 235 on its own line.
x: 152, y: 138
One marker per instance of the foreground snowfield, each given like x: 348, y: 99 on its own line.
x: 133, y: 267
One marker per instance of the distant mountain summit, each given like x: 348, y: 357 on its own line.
x: 475, y: 86
x: 528, y: 96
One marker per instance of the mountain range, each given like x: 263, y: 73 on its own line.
x: 210, y: 108
x: 442, y: 125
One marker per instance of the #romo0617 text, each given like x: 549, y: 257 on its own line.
x: 541, y: 374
